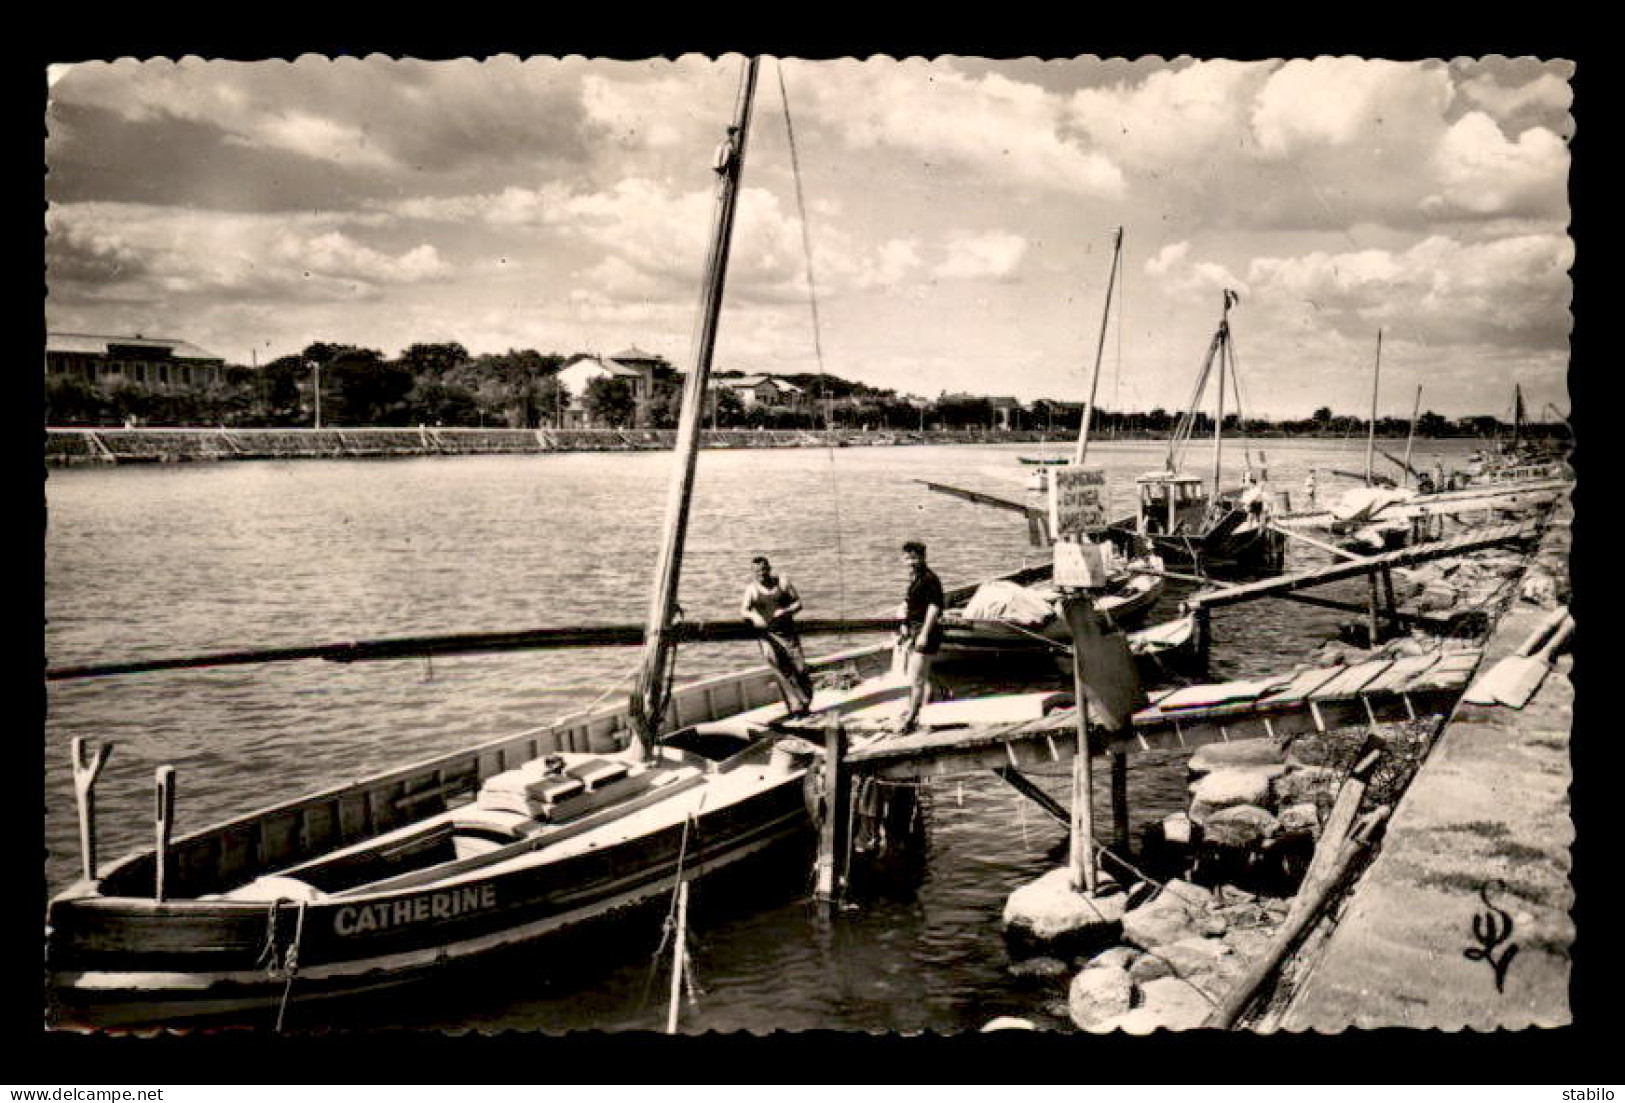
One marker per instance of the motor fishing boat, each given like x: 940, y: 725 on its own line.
x: 1188, y: 522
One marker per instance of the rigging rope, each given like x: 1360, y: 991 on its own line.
x: 290, y: 963
x: 818, y: 345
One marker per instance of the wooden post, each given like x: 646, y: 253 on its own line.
x: 1388, y: 596
x: 678, y: 958
x: 84, y: 793
x: 165, y: 823
x: 832, y: 832
x: 1079, y: 610
x: 1334, y: 833
x: 1120, y: 799
x: 1371, y: 580
x: 1204, y: 635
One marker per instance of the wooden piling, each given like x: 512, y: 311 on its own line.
x: 1371, y: 615
x: 85, y: 773
x: 832, y: 833
x: 1079, y: 612
x: 679, y: 958
x: 1120, y: 799
x: 164, y: 826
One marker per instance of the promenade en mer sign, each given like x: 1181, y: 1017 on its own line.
x: 1077, y: 513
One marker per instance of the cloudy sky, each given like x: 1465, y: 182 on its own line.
x: 960, y: 214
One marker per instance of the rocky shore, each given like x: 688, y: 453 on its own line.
x: 1164, y: 942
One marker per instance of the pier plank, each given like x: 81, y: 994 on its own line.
x: 1352, y: 680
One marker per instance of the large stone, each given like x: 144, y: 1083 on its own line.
x: 1039, y: 968
x: 1048, y: 913
x: 1174, y: 913
x: 1228, y: 787
x: 1190, y: 958
x: 1118, y: 957
x: 1241, y: 827
x: 1317, y: 784
x: 1238, y: 753
x: 1249, y: 943
x: 1165, y: 1004
x: 1311, y: 749
x: 1300, y: 819
x: 1097, y: 994
x: 1177, y: 1003
x: 1178, y: 830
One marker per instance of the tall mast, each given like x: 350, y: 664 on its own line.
x: 1218, y: 420
x: 1371, y: 435
x: 1410, y: 437
x: 649, y: 699
x: 1100, y: 348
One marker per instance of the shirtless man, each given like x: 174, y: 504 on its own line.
x: 771, y: 603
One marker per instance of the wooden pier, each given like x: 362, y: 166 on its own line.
x: 1319, y: 700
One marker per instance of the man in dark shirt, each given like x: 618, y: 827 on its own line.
x: 921, y: 631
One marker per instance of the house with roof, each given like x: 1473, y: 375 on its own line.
x: 157, y: 363
x: 1006, y: 412
x: 644, y: 372
x: 762, y: 390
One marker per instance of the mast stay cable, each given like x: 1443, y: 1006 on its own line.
x: 818, y: 345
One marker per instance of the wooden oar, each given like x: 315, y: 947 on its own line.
x: 1514, y: 679
x: 607, y: 635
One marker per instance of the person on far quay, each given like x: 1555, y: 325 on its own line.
x: 771, y: 604
x: 920, y: 632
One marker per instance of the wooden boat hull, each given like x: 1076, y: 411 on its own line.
x: 1252, y: 549
x: 132, y: 960
x: 966, y: 638
x: 116, y: 956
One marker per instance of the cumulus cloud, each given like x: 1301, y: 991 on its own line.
x: 1171, y: 117
x: 992, y: 255
x: 451, y: 117
x: 1332, y: 102
x: 1180, y: 277
x: 127, y: 250
x: 990, y: 124
x: 1439, y: 291
x: 1548, y: 94
x: 1483, y: 173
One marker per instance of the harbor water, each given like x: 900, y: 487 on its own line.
x: 152, y: 561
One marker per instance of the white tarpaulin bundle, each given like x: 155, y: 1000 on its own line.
x: 1008, y: 601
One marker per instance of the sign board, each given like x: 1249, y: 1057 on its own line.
x: 1077, y: 500
x: 1079, y: 564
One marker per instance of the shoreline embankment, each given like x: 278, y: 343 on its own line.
x: 1464, y: 919
x: 66, y: 446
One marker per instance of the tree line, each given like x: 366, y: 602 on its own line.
x: 443, y: 384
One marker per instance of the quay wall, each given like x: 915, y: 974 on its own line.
x: 1463, y: 918
x: 155, y: 445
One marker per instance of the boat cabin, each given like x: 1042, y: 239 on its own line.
x: 1170, y: 503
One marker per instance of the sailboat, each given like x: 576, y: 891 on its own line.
x: 1185, y: 521
x: 1021, y: 612
x: 388, y: 879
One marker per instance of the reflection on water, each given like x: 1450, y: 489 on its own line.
x: 157, y: 561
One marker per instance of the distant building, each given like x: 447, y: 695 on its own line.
x: 644, y: 372
x: 1006, y: 412
x: 156, y: 363
x: 763, y: 390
